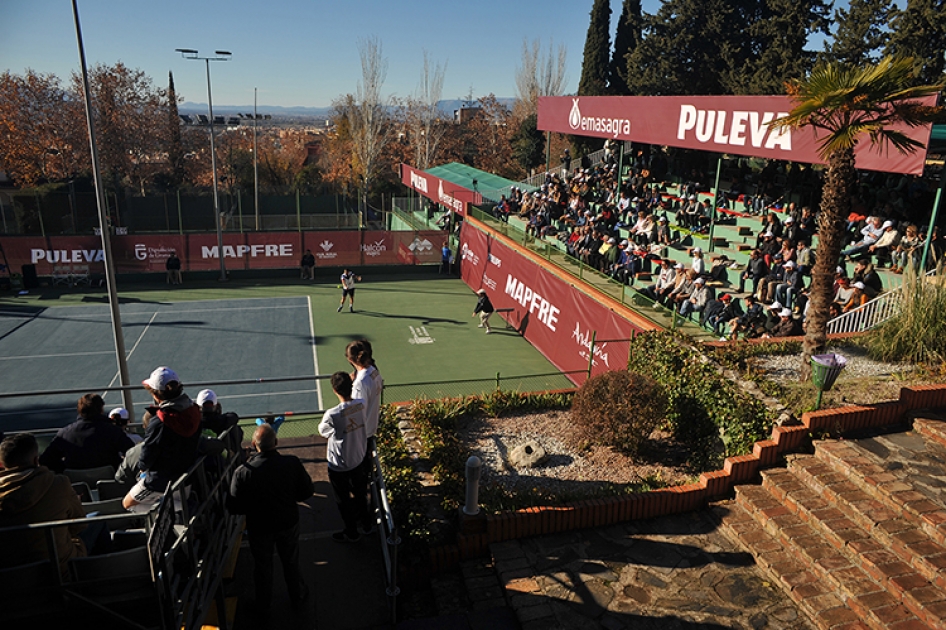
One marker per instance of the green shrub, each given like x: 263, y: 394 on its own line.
x: 618, y: 409
x: 917, y: 333
x: 704, y: 408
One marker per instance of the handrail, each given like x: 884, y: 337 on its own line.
x: 872, y: 314
x: 388, y: 534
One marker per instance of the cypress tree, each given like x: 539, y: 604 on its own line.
x: 626, y: 40
x: 594, y: 66
x: 919, y: 31
x: 175, y: 143
x: 861, y: 34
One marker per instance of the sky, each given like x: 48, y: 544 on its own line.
x: 296, y: 52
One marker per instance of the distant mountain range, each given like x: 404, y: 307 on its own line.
x: 447, y: 107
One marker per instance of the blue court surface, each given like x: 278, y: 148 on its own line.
x: 72, y: 348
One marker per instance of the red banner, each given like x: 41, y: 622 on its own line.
x: 553, y: 315
x: 448, y: 194
x: 198, y: 252
x: 722, y: 124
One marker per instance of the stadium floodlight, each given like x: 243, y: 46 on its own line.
x: 222, y: 55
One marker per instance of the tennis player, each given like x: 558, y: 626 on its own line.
x: 348, y: 289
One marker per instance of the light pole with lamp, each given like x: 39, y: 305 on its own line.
x: 221, y: 55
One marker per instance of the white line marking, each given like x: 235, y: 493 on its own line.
x: 315, y: 355
x: 132, y: 351
x: 56, y: 356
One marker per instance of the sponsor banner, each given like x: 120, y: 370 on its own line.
x: 722, y: 124
x: 555, y: 317
x: 199, y: 252
x: 445, y: 193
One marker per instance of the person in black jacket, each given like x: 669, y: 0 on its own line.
x: 484, y: 308
x: 266, y: 489
x: 171, y: 439
x: 308, y: 265
x: 89, y: 442
x: 173, y: 267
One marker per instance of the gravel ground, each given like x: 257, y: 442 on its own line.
x: 785, y: 367
x: 491, y: 439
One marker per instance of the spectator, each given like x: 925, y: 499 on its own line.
x: 31, y: 493
x: 756, y: 270
x: 792, y: 284
x: 858, y: 297
x: 698, y: 298
x: 173, y: 267
x: 119, y: 417
x: 697, y: 264
x: 720, y: 312
x: 267, y: 488
x: 870, y: 234
x: 907, y: 254
x: 804, y: 258
x: 214, y: 420
x: 344, y: 426
x: 786, y: 326
x: 665, y: 279
x: 445, y: 257
x: 844, y: 291
x: 307, y: 266
x: 367, y: 385
x: 89, y: 442
x: 749, y: 323
x: 887, y: 242
x: 770, y: 282
x: 865, y: 273
x: 663, y: 232
x: 171, y: 439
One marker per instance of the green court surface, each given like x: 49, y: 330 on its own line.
x: 425, y: 342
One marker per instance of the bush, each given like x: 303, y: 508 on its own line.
x: 917, y: 333
x: 619, y: 409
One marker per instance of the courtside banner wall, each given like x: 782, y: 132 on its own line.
x: 198, y: 252
x: 446, y: 193
x: 721, y: 124
x: 554, y: 316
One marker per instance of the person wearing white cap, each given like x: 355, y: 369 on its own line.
x: 870, y: 234
x: 665, y: 281
x: 786, y: 326
x: 858, y: 297
x: 484, y: 308
x: 864, y: 272
x: 698, y: 298
x: 791, y: 285
x: 119, y: 417
x: 886, y: 243
x: 171, y: 439
x: 697, y: 264
x: 213, y: 419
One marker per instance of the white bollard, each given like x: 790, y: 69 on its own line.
x: 474, y: 468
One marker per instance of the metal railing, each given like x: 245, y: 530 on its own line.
x: 594, y: 158
x: 406, y: 392
x: 872, y: 314
x: 387, y: 529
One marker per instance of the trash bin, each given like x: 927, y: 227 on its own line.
x: 825, y: 369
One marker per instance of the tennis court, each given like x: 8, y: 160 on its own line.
x: 421, y: 331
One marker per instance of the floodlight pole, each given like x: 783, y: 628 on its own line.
x: 103, y: 226
x: 222, y: 55
x: 255, y: 162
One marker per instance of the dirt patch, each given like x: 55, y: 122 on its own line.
x: 572, y: 469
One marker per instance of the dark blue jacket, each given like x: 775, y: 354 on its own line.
x: 86, y: 443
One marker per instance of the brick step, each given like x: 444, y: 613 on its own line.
x: 934, y: 430
x: 901, y: 569
x: 827, y: 605
x: 893, y: 486
x: 855, y: 520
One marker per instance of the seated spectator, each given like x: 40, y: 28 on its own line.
x: 665, y: 281
x: 907, y: 254
x: 89, y: 442
x: 792, y: 284
x: 662, y: 235
x: 720, y: 312
x: 681, y: 292
x: 31, y: 493
x: 756, y: 270
x: 213, y: 419
x: 887, y: 242
x: 119, y: 417
x: 697, y: 264
x: 171, y: 439
x: 698, y: 298
x: 775, y: 277
x: 843, y: 292
x: 786, y: 326
x: 750, y: 323
x: 858, y: 297
x: 865, y: 273
x: 870, y: 234
x: 769, y: 246
x: 804, y: 257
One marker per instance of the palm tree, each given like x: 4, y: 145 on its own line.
x: 846, y: 103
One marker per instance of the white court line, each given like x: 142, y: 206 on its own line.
x: 56, y: 356
x: 126, y: 316
x: 132, y: 351
x: 315, y: 355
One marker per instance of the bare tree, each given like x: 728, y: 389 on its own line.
x: 424, y: 119
x: 541, y: 73
x: 366, y: 114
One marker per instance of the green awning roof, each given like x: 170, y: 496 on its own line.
x: 487, y: 184
x: 937, y: 140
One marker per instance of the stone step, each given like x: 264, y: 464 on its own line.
x: 842, y: 597
x: 903, y: 471
x: 856, y: 522
x: 919, y: 585
x: 930, y: 429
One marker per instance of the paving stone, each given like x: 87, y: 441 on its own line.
x: 534, y: 612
